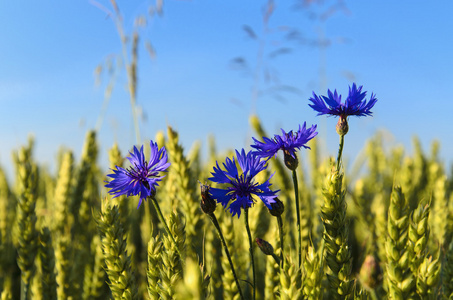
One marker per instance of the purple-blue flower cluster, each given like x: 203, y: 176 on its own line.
x: 287, y: 142
x: 142, y: 177
x: 355, y: 105
x: 241, y: 186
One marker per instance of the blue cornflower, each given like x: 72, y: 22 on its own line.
x: 141, y: 177
x: 287, y: 142
x: 355, y: 105
x: 241, y: 187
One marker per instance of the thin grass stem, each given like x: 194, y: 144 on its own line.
x: 340, y: 151
x: 162, y: 219
x: 225, y: 248
x: 296, y: 195
x: 280, y: 232
x: 247, y: 227
x: 276, y: 258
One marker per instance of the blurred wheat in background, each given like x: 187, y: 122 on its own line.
x: 398, y: 222
x: 291, y: 224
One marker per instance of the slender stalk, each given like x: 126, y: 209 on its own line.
x: 276, y: 258
x: 373, y: 294
x: 340, y: 151
x: 25, y: 290
x: 321, y: 259
x: 247, y: 227
x: 161, y: 218
x: 280, y: 232
x: 225, y: 248
x: 296, y: 195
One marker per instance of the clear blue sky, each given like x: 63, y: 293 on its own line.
x: 400, y: 50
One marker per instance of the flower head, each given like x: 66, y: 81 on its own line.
x: 355, y: 105
x: 141, y: 177
x: 241, y: 187
x: 287, y: 142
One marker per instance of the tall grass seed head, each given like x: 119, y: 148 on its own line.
x: 355, y: 105
x: 288, y: 142
x: 142, y: 177
x: 241, y: 188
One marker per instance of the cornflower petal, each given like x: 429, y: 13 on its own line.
x: 354, y: 105
x: 220, y: 195
x: 241, y: 187
x: 287, y: 142
x: 230, y: 166
x: 141, y: 178
x: 240, y: 202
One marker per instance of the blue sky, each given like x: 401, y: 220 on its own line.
x: 399, y: 50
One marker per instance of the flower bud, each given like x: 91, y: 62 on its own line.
x: 370, y: 272
x: 291, y: 162
x: 277, y: 208
x: 207, y: 204
x: 265, y: 246
x: 342, y: 125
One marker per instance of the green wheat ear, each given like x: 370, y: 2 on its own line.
x: 447, y: 273
x: 400, y: 280
x: 428, y: 278
x: 186, y: 190
x: 290, y: 282
x: 312, y: 278
x: 155, y: 248
x: 418, y: 235
x: 195, y: 282
x: 361, y: 294
x: 336, y: 232
x: 63, y: 265
x: 62, y: 193
x: 26, y: 235
x: 230, y: 290
x: 172, y: 269
x: 95, y: 276
x: 47, y: 255
x: 122, y: 280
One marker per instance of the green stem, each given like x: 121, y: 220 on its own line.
x: 219, y: 231
x: 161, y: 218
x: 373, y: 295
x: 276, y: 258
x: 25, y: 288
x: 321, y: 259
x: 340, y: 152
x: 296, y: 194
x: 280, y: 232
x: 246, y: 218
